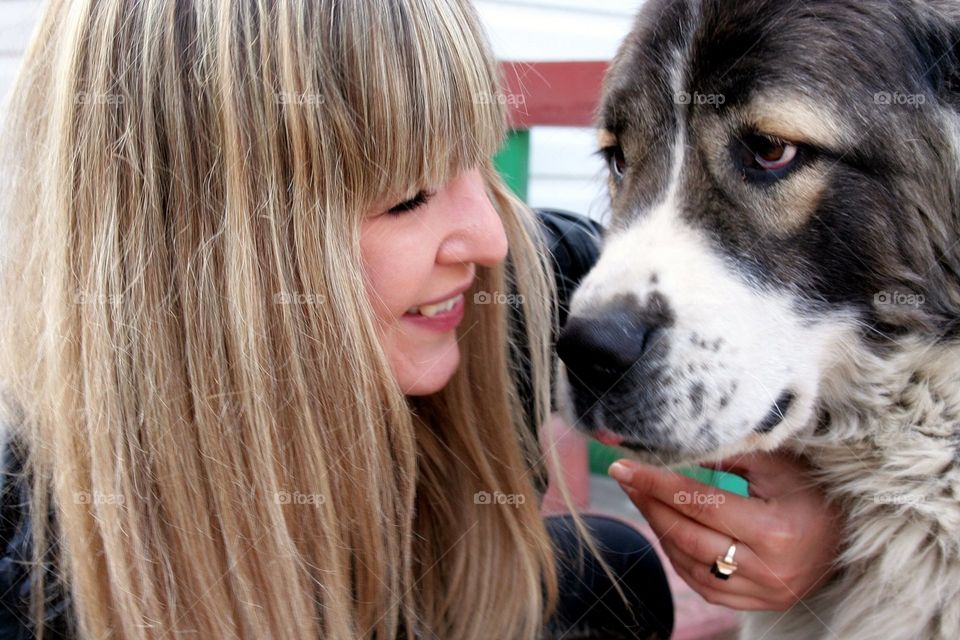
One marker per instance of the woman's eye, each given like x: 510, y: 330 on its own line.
x: 765, y: 158
x: 616, y: 161
x: 409, y: 205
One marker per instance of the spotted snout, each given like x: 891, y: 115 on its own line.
x: 683, y: 365
x: 625, y: 388
x: 616, y: 362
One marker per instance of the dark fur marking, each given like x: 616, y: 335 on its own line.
x: 777, y: 413
x: 706, y: 433
x: 697, y: 392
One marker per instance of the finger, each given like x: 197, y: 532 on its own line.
x: 737, y: 584
x: 670, y: 532
x: 704, y: 544
x: 760, y: 461
x: 716, y: 509
x: 716, y: 595
x: 769, y: 474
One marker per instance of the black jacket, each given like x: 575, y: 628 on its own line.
x: 573, y: 242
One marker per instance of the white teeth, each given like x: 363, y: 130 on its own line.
x: 430, y: 310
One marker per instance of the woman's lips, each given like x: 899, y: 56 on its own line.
x: 442, y: 322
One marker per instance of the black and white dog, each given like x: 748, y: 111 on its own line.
x: 782, y: 268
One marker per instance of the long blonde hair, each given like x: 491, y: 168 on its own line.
x: 188, y: 353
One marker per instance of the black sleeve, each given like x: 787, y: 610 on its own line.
x: 16, y: 558
x: 573, y: 242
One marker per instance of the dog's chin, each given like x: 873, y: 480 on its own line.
x: 659, y: 455
x: 767, y: 435
x: 660, y: 443
x: 655, y: 455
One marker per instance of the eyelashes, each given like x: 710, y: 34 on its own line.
x: 422, y: 198
x: 615, y: 159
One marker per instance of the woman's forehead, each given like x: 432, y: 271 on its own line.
x: 422, y: 97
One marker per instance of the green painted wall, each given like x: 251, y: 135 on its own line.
x: 513, y: 162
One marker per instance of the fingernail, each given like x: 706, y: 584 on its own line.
x: 620, y: 472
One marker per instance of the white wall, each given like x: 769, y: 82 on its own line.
x: 17, y: 19
x: 564, y: 172
x: 556, y: 29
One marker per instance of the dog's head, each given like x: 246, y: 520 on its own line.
x: 784, y: 179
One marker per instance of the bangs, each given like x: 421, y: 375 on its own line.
x: 419, y: 86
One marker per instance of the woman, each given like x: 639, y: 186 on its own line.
x: 239, y: 240
x: 211, y: 222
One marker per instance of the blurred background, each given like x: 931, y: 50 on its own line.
x: 563, y: 172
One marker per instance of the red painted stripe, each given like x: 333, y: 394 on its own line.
x: 552, y: 93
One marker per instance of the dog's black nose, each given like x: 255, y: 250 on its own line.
x: 599, y: 351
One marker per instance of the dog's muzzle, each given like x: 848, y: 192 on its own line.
x: 616, y: 364
x: 600, y: 352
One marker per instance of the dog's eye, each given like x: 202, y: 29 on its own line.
x: 764, y: 158
x: 773, y: 155
x: 615, y: 160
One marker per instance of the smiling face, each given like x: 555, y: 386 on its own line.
x: 420, y: 259
x: 773, y: 204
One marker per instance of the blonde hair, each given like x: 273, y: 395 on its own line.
x: 220, y: 463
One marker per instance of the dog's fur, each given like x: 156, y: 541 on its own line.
x: 818, y: 309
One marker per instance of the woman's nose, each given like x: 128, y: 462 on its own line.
x: 476, y: 234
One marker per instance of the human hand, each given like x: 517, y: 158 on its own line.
x: 787, y: 534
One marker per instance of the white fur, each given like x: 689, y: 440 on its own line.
x: 890, y: 459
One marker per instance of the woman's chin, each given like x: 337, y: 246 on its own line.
x: 428, y: 372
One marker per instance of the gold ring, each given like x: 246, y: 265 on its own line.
x: 724, y: 566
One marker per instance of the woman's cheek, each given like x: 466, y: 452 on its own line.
x: 394, y: 275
